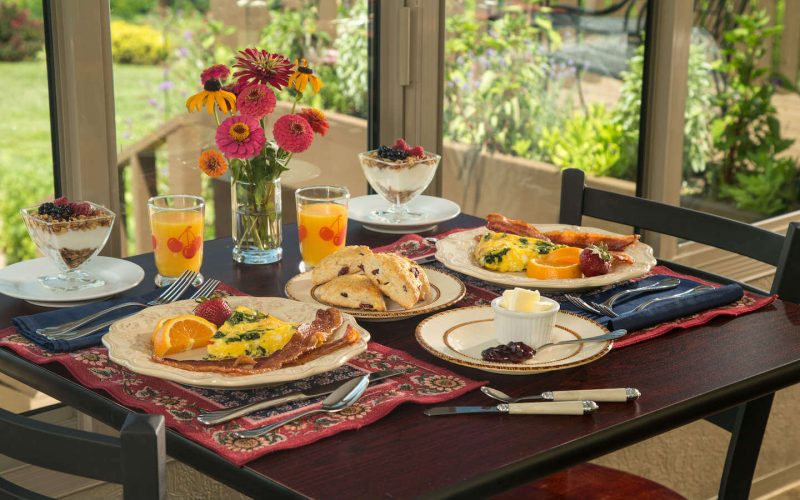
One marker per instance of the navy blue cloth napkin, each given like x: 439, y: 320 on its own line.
x: 27, y: 325
x: 659, y: 312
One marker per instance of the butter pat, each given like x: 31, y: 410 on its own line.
x: 522, y: 300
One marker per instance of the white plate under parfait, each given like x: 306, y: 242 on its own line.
x: 446, y: 290
x: 128, y: 343
x: 455, y: 252
x: 459, y: 336
x: 435, y: 211
x: 20, y: 281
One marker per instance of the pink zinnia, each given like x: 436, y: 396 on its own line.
x: 260, y: 66
x: 256, y: 100
x: 218, y: 72
x: 240, y: 137
x: 293, y: 133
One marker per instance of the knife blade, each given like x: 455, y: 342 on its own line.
x: 550, y: 408
x: 221, y: 416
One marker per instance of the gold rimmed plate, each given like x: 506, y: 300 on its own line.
x: 446, y: 290
x: 459, y: 336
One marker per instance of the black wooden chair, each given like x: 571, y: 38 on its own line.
x: 747, y: 421
x: 135, y: 459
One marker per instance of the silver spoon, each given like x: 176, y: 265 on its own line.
x: 621, y: 394
x: 606, y: 336
x: 339, y: 399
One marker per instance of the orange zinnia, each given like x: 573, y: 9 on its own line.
x: 213, y: 163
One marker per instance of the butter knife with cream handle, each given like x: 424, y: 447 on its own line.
x: 550, y: 408
x: 617, y: 395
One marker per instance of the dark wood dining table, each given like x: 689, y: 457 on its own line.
x: 683, y: 376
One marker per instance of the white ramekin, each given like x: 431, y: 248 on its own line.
x: 533, y: 328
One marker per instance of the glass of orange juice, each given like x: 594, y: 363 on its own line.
x: 321, y: 221
x: 176, y: 225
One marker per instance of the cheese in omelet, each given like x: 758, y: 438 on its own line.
x: 509, y: 253
x: 248, y: 332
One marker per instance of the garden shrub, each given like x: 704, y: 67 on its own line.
x: 23, y: 186
x: 21, y: 36
x: 136, y: 44
x: 132, y: 9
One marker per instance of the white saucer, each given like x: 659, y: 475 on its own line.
x: 20, y: 281
x: 435, y: 211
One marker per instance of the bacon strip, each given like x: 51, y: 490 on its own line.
x: 583, y: 240
x: 309, y: 337
x: 502, y: 224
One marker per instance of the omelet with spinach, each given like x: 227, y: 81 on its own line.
x: 509, y: 253
x: 248, y: 332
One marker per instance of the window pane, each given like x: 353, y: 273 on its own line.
x: 740, y: 142
x: 531, y: 90
x: 159, y: 53
x: 26, y: 162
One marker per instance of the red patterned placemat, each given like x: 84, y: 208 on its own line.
x: 480, y: 292
x: 180, y: 404
x: 748, y: 303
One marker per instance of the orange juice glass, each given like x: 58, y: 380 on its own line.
x: 176, y: 226
x: 321, y: 221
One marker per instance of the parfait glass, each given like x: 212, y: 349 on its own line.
x: 70, y: 245
x: 398, y: 182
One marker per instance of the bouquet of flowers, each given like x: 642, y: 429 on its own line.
x: 256, y: 162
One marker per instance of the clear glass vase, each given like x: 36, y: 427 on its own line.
x: 257, y: 221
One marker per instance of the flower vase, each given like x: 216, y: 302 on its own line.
x: 257, y: 222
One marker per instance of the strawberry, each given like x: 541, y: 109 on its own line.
x: 214, y: 309
x: 595, y: 260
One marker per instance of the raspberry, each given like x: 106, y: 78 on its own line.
x: 418, y: 151
x: 61, y: 201
x: 400, y: 145
x: 81, y: 208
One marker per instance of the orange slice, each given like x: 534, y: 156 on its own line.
x: 560, y: 256
x: 545, y: 271
x: 158, y: 328
x: 182, y: 333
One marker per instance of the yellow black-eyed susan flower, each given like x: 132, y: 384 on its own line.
x: 302, y: 76
x: 211, y: 95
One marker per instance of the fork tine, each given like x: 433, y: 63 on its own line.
x: 167, y: 296
x: 180, y: 286
x: 605, y: 310
x: 171, y: 287
x: 207, y: 287
x: 582, y: 304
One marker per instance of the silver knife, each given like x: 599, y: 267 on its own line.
x: 554, y: 408
x: 220, y: 416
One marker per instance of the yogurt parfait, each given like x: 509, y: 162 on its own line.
x: 399, y: 174
x: 70, y: 234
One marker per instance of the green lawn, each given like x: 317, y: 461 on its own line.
x: 25, y: 150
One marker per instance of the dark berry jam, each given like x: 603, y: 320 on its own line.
x: 513, y: 352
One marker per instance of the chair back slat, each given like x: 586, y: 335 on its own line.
x: 136, y: 459
x: 54, y: 447
x: 787, y: 276
x: 738, y: 237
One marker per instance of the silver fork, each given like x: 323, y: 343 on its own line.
x: 205, y: 290
x: 608, y: 304
x: 643, y: 305
x: 172, y: 293
x: 581, y: 304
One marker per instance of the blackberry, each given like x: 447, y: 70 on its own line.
x: 388, y: 153
x: 64, y: 212
x: 46, y: 208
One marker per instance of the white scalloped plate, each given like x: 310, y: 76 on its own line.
x: 128, y: 343
x: 455, y: 252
